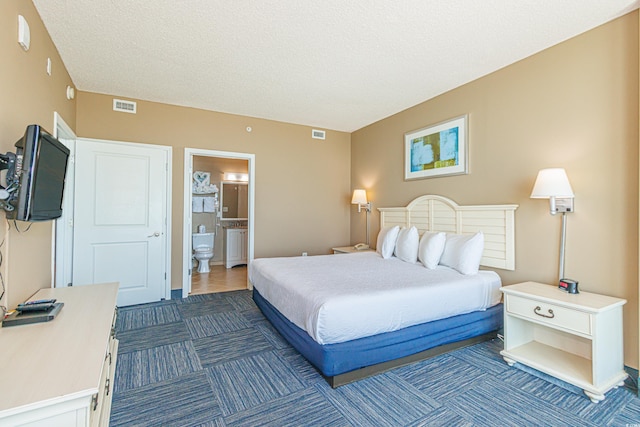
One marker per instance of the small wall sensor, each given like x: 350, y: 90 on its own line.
x: 249, y: 129
x: 24, y: 35
x: 71, y: 93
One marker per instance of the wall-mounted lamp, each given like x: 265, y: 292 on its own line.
x: 360, y: 198
x: 233, y: 176
x: 554, y: 185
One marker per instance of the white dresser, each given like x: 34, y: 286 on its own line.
x: 60, y: 373
x: 574, y: 337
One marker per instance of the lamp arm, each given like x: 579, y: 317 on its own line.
x: 365, y: 206
x: 368, y: 210
x: 563, y: 235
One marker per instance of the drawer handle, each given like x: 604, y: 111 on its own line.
x: 548, y: 316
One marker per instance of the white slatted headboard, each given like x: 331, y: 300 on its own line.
x: 437, y: 213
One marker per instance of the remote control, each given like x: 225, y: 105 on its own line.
x: 35, y: 307
x: 38, y: 301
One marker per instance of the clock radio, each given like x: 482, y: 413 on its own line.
x: 569, y: 286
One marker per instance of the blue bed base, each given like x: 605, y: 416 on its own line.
x: 333, y: 360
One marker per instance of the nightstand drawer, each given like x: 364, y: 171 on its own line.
x: 549, y: 314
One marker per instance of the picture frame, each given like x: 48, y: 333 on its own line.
x: 437, y: 150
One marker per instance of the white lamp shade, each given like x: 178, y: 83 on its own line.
x: 359, y: 197
x: 552, y: 182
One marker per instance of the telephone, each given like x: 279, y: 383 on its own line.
x: 361, y: 246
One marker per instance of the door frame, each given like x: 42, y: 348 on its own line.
x: 186, y: 223
x: 62, y: 241
x: 66, y: 260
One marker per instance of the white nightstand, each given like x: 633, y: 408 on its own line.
x: 349, y: 250
x: 574, y: 337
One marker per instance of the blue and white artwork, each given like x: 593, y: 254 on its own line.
x: 436, y: 150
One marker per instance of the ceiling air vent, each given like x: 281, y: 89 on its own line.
x: 124, y: 106
x: 318, y: 134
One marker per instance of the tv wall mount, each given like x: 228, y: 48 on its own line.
x: 8, y: 162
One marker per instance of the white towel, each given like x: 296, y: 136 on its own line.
x: 209, y: 204
x: 197, y: 204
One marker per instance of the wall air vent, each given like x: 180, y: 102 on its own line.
x: 124, y: 106
x: 318, y: 134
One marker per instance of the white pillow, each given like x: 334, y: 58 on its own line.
x: 463, y: 252
x: 431, y: 248
x: 387, y: 241
x: 407, y: 244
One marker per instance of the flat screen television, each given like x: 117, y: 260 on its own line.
x: 35, y: 180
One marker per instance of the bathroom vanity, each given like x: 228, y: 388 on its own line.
x: 235, y: 246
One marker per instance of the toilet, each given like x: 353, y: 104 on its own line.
x: 203, y: 250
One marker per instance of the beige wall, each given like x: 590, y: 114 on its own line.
x: 575, y: 106
x: 302, y: 184
x: 28, y: 95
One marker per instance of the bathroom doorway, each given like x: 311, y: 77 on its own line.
x: 218, y: 220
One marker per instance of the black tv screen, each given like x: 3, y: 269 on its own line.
x: 41, y: 166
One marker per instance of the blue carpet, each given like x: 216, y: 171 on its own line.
x: 214, y: 361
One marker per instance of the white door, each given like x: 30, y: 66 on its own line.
x: 120, y: 225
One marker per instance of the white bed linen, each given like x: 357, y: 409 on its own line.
x: 337, y: 298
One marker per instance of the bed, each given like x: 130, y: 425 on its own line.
x: 355, y: 315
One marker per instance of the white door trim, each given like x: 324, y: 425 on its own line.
x: 62, y: 250
x: 186, y: 229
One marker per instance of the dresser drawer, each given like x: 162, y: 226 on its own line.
x: 549, y: 314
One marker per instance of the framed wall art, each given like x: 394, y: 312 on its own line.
x: 437, y: 150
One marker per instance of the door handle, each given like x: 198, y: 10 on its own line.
x: 156, y: 234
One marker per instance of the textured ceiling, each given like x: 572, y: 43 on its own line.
x: 332, y: 64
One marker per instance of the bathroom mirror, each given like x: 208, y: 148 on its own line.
x: 234, y: 200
